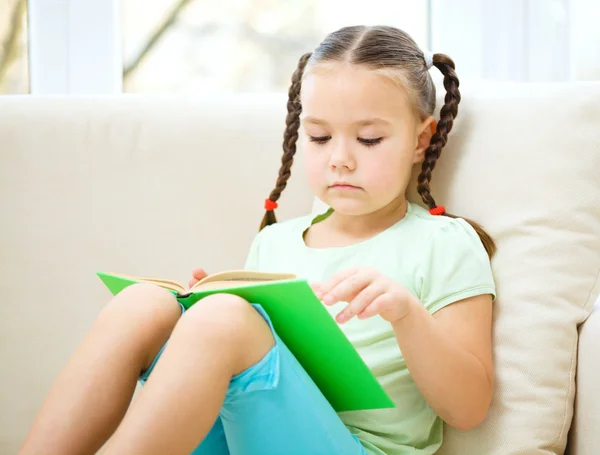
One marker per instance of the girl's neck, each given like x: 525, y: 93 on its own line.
x: 361, y: 226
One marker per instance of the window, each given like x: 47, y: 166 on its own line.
x: 207, y: 46
x: 14, y: 68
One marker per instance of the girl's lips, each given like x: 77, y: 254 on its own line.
x: 344, y: 187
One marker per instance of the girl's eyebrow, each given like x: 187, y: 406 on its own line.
x: 314, y: 120
x: 365, y: 122
x: 372, y: 121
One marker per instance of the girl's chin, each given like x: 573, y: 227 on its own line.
x: 350, y: 208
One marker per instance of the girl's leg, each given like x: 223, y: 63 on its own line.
x: 218, y: 338
x: 92, y: 393
x: 275, y: 408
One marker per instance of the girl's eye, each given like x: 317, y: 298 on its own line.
x: 319, y: 140
x: 370, y: 142
x: 367, y: 142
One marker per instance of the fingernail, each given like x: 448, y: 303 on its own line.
x: 328, y: 299
x: 340, y: 318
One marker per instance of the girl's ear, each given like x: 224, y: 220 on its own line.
x: 425, y: 131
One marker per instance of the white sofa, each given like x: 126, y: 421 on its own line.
x: 159, y: 185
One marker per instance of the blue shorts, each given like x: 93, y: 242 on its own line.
x: 274, y: 408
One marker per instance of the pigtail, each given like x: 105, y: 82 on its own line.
x: 290, y: 137
x: 448, y: 113
x: 439, y: 139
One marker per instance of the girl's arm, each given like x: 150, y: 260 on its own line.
x: 449, y: 356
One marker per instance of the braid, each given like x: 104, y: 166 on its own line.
x: 440, y: 138
x: 290, y: 137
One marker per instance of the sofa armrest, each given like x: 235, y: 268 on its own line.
x: 584, y: 438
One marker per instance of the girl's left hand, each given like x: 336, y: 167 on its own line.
x: 368, y: 292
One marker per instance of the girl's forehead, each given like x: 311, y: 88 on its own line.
x: 345, y: 90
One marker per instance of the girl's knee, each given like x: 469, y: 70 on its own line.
x: 227, y: 316
x: 144, y: 304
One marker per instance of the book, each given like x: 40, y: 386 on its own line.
x: 231, y: 278
x: 301, y: 321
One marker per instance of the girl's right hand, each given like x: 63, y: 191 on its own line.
x: 197, y: 275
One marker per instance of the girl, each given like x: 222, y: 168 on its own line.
x: 411, y: 289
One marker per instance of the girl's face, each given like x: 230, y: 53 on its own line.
x: 361, y: 138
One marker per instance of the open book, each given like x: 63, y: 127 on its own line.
x: 301, y: 321
x: 221, y: 280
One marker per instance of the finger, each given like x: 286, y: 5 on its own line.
x: 376, y: 307
x: 335, y: 279
x: 361, y: 302
x: 192, y: 282
x: 348, y: 289
x: 316, y: 287
x: 199, y: 273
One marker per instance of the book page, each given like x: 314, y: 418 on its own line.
x: 234, y: 277
x: 166, y: 284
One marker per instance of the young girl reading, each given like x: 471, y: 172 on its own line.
x: 411, y: 287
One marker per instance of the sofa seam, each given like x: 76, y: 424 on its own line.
x: 572, y: 370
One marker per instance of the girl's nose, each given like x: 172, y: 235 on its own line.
x: 341, y: 156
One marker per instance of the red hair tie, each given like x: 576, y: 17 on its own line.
x: 270, y: 205
x: 439, y: 210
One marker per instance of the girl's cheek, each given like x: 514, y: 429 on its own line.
x: 315, y: 169
x: 382, y: 178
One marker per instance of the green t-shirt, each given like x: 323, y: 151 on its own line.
x: 439, y: 259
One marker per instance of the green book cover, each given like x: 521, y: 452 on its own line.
x: 308, y: 330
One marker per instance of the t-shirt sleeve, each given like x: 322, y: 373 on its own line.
x: 456, y: 267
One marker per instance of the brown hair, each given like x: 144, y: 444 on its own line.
x: 393, y: 54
